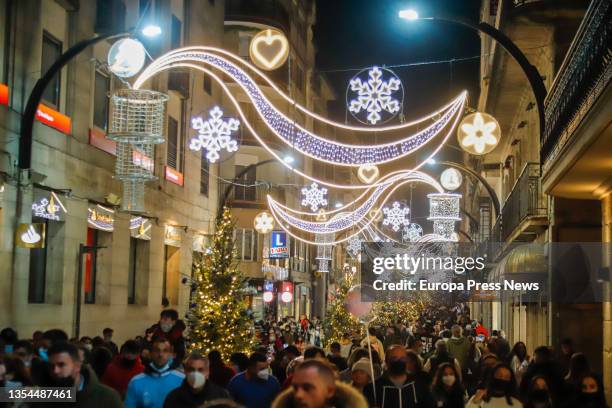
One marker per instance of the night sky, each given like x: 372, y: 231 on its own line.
x: 352, y: 34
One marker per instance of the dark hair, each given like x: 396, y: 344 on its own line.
x: 567, y: 342
x: 131, y: 346
x: 100, y: 359
x: 241, y: 360
x: 86, y: 338
x: 160, y: 339
x: 510, y: 393
x: 578, y: 368
x: 335, y: 346
x: 411, y: 355
x: 55, y: 336
x: 170, y: 313
x: 371, y: 331
x: 257, y: 357
x: 292, y: 350
x: 16, y: 367
x: 107, y: 330
x: 437, y: 381
x: 215, y: 356
x: 601, y: 398
x: 323, y: 368
x: 24, y: 344
x: 9, y: 335
x: 64, y: 347
x: 515, y: 350
x: 543, y: 351
x: 312, y: 352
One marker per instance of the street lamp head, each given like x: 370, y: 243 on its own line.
x: 151, y: 30
x: 431, y: 161
x: 288, y: 159
x: 409, y: 14
x: 338, y: 205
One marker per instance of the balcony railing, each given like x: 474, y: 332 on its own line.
x: 583, y: 76
x: 526, y: 201
x: 249, y: 194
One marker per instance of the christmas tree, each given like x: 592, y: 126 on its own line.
x: 338, y: 321
x: 218, y: 315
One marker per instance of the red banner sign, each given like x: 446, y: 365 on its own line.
x: 54, y: 119
x: 4, y: 95
x: 98, y: 139
x: 173, y: 176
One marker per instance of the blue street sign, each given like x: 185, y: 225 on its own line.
x: 279, y: 244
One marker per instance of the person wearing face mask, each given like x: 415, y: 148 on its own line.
x: 24, y: 351
x: 66, y: 370
x: 591, y: 394
x: 440, y: 356
x: 447, y: 390
x: 538, y: 395
x: 124, y: 367
x: 255, y: 387
x: 196, y: 389
x: 150, y: 388
x: 501, y: 390
x: 396, y: 388
x: 170, y: 327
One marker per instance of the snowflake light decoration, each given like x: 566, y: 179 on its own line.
x: 396, y: 216
x: 412, y: 232
x: 375, y: 95
x: 314, y: 197
x: 353, y: 246
x: 214, y: 134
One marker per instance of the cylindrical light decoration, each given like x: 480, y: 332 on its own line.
x: 478, y: 133
x: 137, y: 124
x: 324, y: 252
x: 444, y: 212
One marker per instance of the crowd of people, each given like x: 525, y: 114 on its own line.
x: 442, y: 359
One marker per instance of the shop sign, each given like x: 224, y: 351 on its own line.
x: 54, y: 119
x: 4, y: 95
x: 173, y: 236
x: 279, y: 244
x: 48, y: 205
x: 31, y: 235
x: 98, y: 139
x: 140, y: 228
x: 201, y: 243
x: 101, y: 218
x: 278, y: 272
x: 141, y: 160
x: 173, y: 176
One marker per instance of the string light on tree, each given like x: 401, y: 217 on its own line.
x: 396, y: 216
x: 314, y: 197
x: 478, y: 133
x: 378, y: 93
x: 214, y: 134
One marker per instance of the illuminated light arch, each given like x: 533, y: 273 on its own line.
x: 246, y: 122
x: 300, y: 138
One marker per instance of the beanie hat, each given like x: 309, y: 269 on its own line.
x: 362, y: 364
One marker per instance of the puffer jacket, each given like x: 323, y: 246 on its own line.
x: 345, y: 397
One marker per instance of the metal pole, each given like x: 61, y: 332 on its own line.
x: 79, y: 292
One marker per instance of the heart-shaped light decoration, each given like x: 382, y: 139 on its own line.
x: 376, y: 214
x: 368, y: 173
x: 269, y: 49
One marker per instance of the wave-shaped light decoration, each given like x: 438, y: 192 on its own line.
x: 301, y: 139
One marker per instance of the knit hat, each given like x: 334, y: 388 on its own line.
x: 362, y: 364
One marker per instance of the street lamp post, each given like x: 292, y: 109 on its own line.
x: 532, y: 73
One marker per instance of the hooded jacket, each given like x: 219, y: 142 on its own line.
x: 151, y: 388
x: 412, y: 394
x: 344, y: 397
x: 459, y: 348
x: 93, y: 395
x: 184, y: 397
x: 118, y: 376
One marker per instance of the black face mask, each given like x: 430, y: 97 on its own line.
x: 63, y: 382
x: 127, y: 362
x: 589, y: 397
x: 539, y: 396
x: 499, y: 388
x: 397, y: 367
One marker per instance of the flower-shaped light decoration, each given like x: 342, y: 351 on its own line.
x: 263, y: 222
x: 396, y: 216
x: 314, y: 196
x: 478, y: 133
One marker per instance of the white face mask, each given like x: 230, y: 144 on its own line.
x: 263, y: 374
x: 448, y: 380
x: 196, y: 379
x: 166, y: 327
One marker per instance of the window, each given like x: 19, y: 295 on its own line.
x: 172, y: 145
x: 484, y: 221
x: 204, y: 174
x: 51, y: 51
x: 245, y: 241
x: 244, y: 41
x: 91, y: 266
x: 132, y: 271
x: 207, y: 84
x: 38, y: 269
x: 101, y: 88
x: 175, y: 34
x: 246, y: 190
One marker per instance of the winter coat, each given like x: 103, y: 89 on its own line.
x: 459, y: 348
x: 412, y: 394
x: 151, y: 388
x: 344, y: 397
x: 221, y: 374
x: 184, y: 397
x: 118, y: 376
x: 174, y: 336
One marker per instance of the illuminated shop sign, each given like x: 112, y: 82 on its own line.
x: 173, y: 176
x: 201, y: 243
x: 173, y: 236
x: 143, y: 161
x: 48, y: 205
x: 4, y: 95
x: 140, y: 228
x: 279, y: 244
x: 101, y: 218
x: 98, y: 139
x: 30, y: 235
x: 54, y: 119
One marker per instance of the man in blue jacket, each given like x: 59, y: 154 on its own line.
x: 149, y: 389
